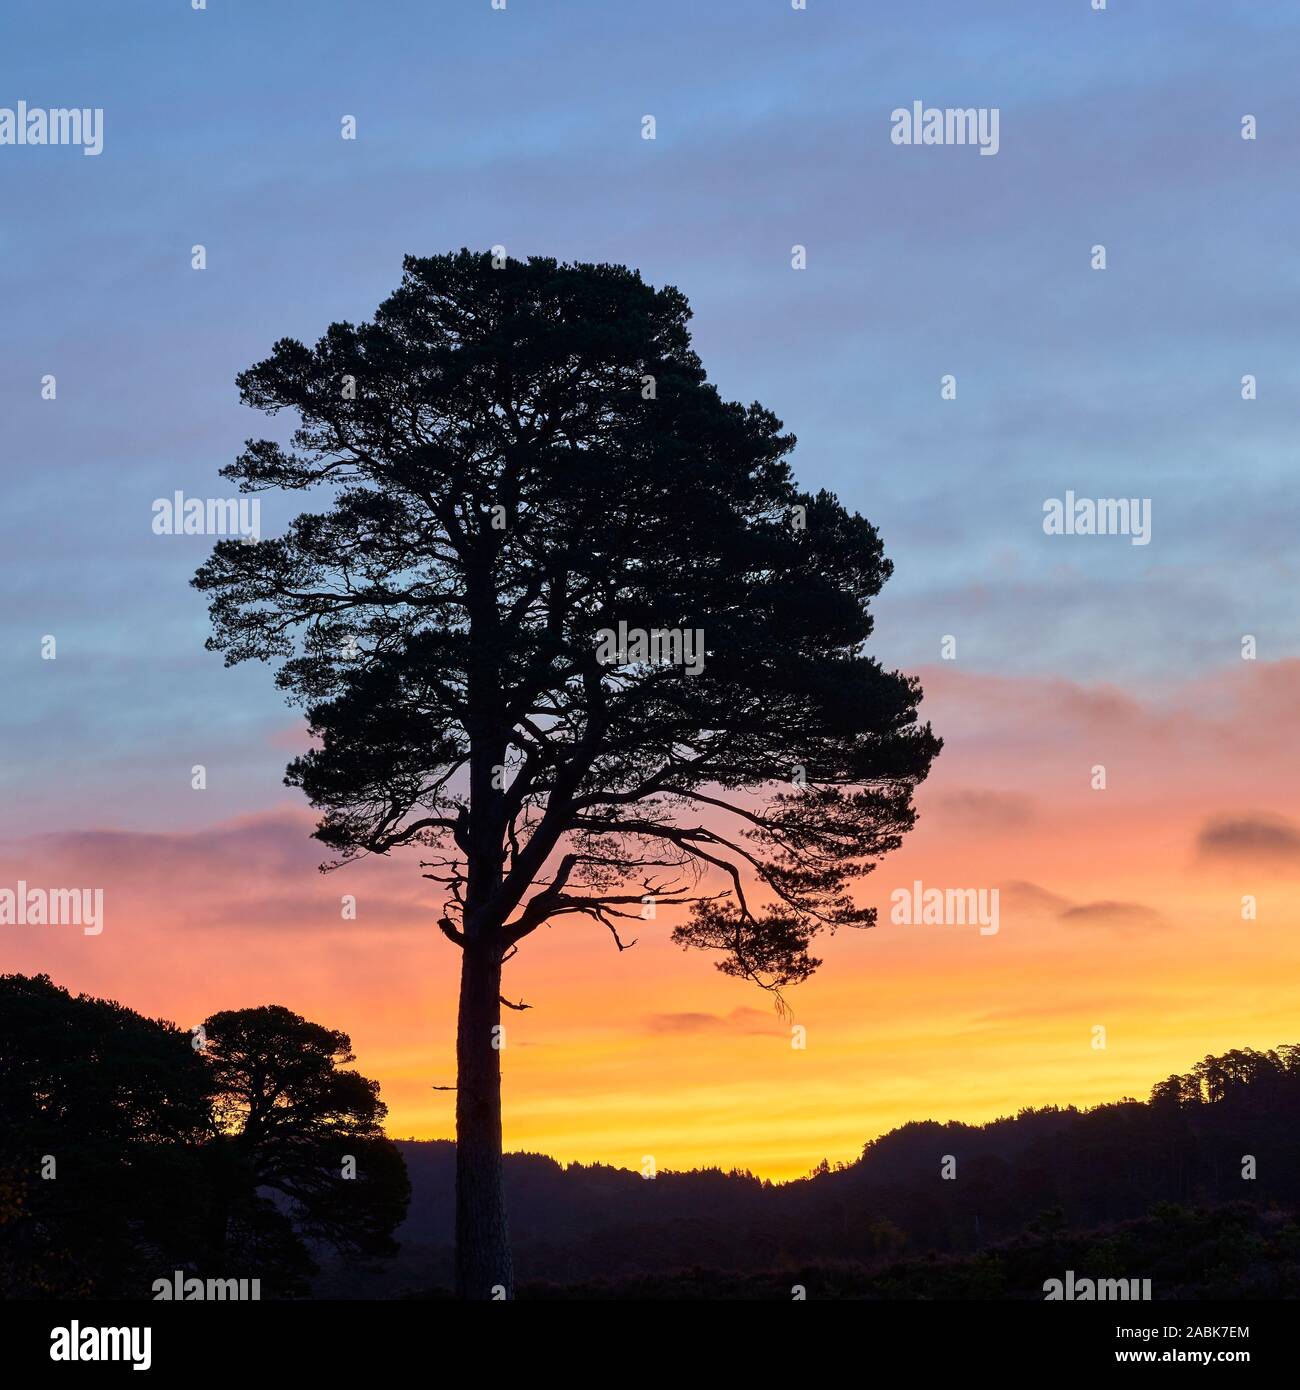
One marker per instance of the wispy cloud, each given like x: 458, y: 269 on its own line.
x: 1253, y: 838
x: 1118, y: 916
x: 742, y: 1020
x: 971, y: 808
x: 1031, y: 901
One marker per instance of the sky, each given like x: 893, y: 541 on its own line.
x: 1121, y: 909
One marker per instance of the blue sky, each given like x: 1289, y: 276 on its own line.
x: 523, y: 127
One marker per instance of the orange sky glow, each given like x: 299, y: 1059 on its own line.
x: 1119, y: 909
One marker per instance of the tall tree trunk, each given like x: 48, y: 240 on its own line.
x: 483, y: 1265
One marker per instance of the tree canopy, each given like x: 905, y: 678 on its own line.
x: 521, y: 458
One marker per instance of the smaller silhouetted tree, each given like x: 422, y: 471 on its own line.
x: 300, y: 1146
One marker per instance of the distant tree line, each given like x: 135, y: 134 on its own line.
x: 1042, y: 1174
